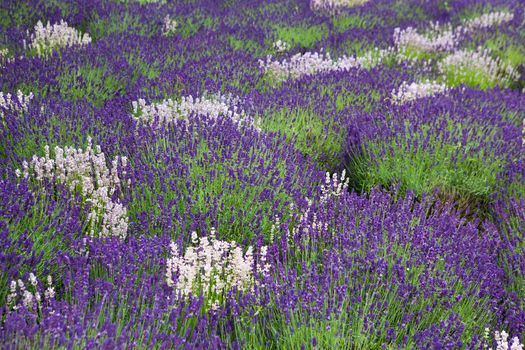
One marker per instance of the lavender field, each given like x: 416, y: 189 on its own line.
x: 262, y: 174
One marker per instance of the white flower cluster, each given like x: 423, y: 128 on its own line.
x: 4, y: 57
x: 212, y: 267
x: 438, y: 38
x: 299, y: 65
x: 444, y: 37
x: 170, y: 25
x: 465, y: 65
x: 281, y: 46
x: 487, y: 20
x: 333, y: 187
x: 169, y: 110
x: 306, y: 228
x: 502, y: 341
x: 406, y: 92
x: 86, y: 172
x: 310, y: 63
x: 309, y: 223
x: 51, y: 37
x: 19, y: 104
x: 373, y: 57
x: 30, y: 299
x: 334, y: 5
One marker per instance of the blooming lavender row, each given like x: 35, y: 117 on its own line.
x: 271, y: 174
x: 169, y: 110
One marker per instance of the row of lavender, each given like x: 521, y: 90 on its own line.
x: 164, y: 174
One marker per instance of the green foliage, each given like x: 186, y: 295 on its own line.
x: 455, y: 75
x: 512, y: 228
x: 245, y: 45
x: 510, y: 52
x: 409, y: 11
x: 25, y: 12
x: 55, y: 131
x: 141, y: 67
x: 355, y: 47
x: 143, y: 2
x: 302, y: 36
x: 42, y: 225
x: 15, y: 17
x: 91, y: 83
x: 477, y: 10
x: 346, y: 327
x: 452, y: 169
x: 414, y: 53
x: 189, y: 26
x: 116, y: 23
x: 343, y: 23
x: 348, y: 98
x: 243, y: 211
x: 320, y: 138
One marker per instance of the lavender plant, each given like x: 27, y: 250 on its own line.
x: 263, y: 174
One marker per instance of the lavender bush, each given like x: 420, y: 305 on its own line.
x: 302, y: 174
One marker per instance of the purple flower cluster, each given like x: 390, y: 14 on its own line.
x: 377, y: 224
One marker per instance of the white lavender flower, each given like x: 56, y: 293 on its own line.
x: 170, y: 25
x: 32, y: 279
x: 28, y: 295
x: 50, y: 291
x: 59, y: 35
x: 334, y: 5
x: 281, y: 46
x: 437, y: 38
x: 18, y: 103
x: 4, y: 53
x: 310, y: 63
x: 5, y: 57
x: 212, y: 267
x: 488, y: 20
x: 86, y: 171
x: 473, y: 67
x: 170, y: 110
x: 333, y: 187
x: 406, y: 92
x: 502, y: 341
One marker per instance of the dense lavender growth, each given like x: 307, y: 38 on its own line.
x: 323, y: 174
